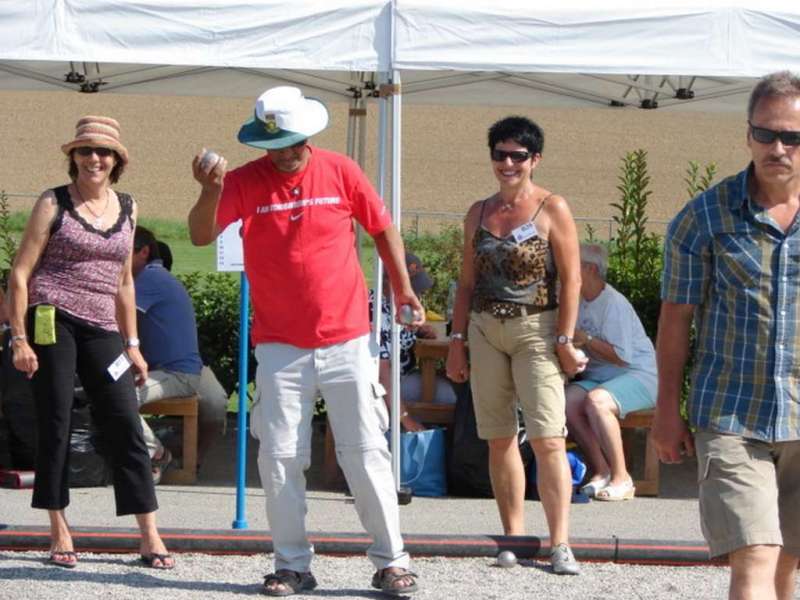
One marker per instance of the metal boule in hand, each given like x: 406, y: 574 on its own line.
x: 209, y: 160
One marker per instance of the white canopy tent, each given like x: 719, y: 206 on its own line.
x: 662, y: 53
x: 624, y: 51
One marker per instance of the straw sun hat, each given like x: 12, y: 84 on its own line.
x: 97, y: 132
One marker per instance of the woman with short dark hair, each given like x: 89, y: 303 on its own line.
x: 517, y: 299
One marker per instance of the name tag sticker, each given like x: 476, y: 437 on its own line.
x: 524, y: 232
x: 119, y: 366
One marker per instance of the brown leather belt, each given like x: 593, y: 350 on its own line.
x: 508, y: 310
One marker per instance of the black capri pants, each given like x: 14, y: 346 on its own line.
x: 89, y: 351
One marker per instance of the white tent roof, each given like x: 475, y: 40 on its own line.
x: 516, y: 52
x: 677, y: 37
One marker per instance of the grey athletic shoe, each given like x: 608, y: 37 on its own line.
x: 563, y: 561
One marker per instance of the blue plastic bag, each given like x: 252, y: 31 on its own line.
x: 576, y: 466
x: 422, y: 462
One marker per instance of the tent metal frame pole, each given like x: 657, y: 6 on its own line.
x: 361, y: 146
x: 351, y: 126
x: 394, y: 419
x: 377, y: 270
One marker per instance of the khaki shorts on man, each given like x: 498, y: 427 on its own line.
x: 749, y: 492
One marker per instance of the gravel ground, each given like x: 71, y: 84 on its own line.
x: 24, y: 575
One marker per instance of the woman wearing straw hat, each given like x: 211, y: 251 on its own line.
x: 71, y: 308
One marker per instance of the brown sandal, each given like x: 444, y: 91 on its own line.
x: 292, y: 582
x: 149, y: 561
x: 385, y: 581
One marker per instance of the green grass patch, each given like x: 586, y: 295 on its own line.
x: 187, y: 257
x: 165, y: 229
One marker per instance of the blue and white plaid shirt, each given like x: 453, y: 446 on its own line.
x: 725, y: 254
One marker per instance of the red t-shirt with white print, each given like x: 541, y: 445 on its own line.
x: 300, y: 257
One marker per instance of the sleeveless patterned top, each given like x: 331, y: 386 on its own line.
x: 79, y: 270
x: 508, y: 271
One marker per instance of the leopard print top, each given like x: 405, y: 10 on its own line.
x: 508, y: 271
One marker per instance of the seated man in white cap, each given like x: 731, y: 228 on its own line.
x: 410, y: 377
x: 311, y: 326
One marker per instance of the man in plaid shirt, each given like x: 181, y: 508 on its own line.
x: 732, y: 265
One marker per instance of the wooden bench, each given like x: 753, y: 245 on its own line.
x: 643, y: 419
x: 185, y: 407
x: 429, y: 352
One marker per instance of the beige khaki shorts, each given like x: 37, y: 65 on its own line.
x: 749, y: 492
x: 513, y: 359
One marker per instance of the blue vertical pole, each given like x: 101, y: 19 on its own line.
x: 240, y: 522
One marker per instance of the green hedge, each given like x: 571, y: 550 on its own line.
x: 216, y: 304
x: 441, y: 255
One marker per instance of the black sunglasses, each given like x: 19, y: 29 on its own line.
x: 87, y: 151
x: 516, y: 156
x: 766, y: 136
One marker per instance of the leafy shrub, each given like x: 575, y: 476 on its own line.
x: 697, y: 183
x: 441, y: 255
x: 216, y: 304
x: 636, y: 255
x: 8, y: 241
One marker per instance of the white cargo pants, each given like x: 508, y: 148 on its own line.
x: 288, y: 381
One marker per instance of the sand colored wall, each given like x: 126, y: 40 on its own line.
x: 444, y: 148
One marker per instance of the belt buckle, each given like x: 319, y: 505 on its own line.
x: 503, y: 310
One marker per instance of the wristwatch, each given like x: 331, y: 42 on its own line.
x: 457, y: 336
x: 132, y: 342
x: 563, y: 339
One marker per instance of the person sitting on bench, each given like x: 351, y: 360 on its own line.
x: 168, y: 331
x: 410, y: 380
x: 619, y: 378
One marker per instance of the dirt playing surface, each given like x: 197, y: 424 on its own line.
x: 445, y: 156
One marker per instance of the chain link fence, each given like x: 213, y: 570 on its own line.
x: 419, y: 222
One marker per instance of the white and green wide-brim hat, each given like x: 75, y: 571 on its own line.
x: 283, y: 117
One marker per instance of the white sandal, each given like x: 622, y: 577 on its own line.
x: 591, y: 488
x: 616, y: 493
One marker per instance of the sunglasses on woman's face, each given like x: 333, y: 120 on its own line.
x: 767, y: 136
x: 88, y: 150
x: 516, y: 156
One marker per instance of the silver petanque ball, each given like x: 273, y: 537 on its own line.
x: 506, y: 559
x: 407, y: 314
x: 209, y: 160
x: 581, y: 354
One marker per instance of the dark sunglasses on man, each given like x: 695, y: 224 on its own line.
x: 516, y: 156
x: 88, y: 150
x: 767, y: 136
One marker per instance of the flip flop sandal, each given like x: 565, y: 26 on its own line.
x: 69, y: 559
x: 149, y: 561
x: 289, y: 583
x: 384, y: 581
x: 616, y: 493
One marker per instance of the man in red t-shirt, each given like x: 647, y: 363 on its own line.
x: 311, y: 328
